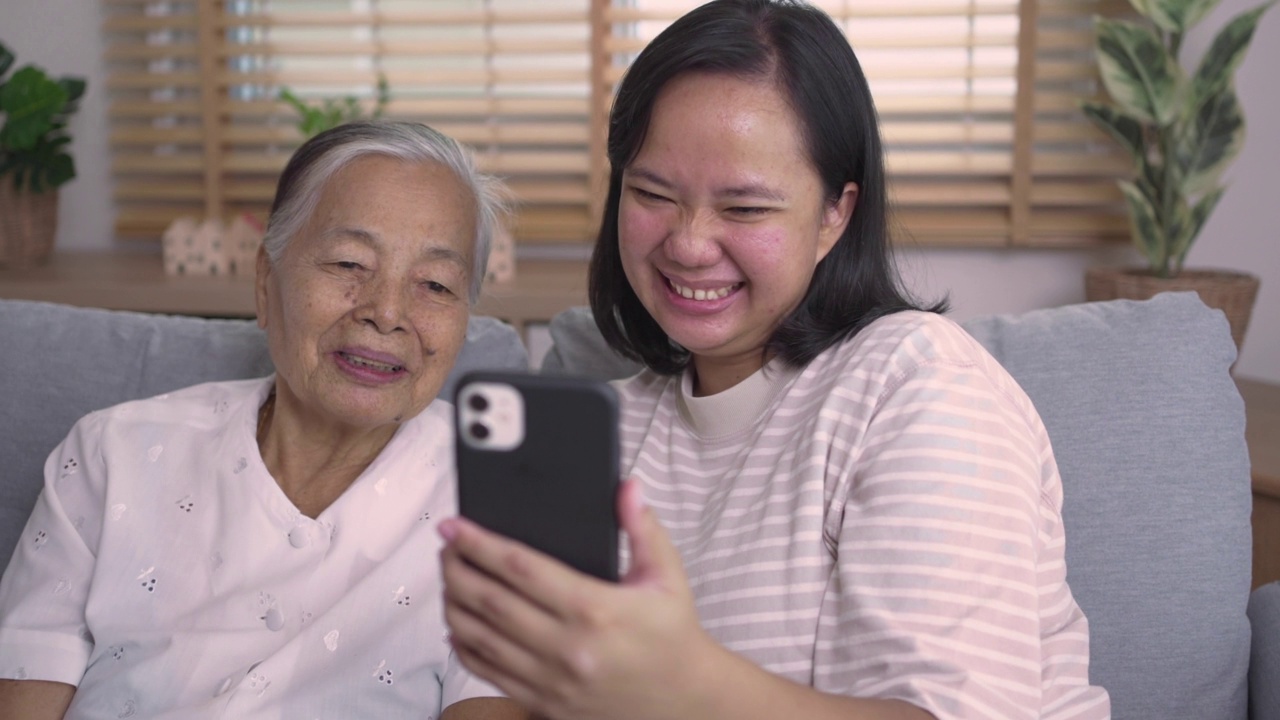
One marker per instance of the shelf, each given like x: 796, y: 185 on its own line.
x: 1262, y: 432
x: 137, y: 282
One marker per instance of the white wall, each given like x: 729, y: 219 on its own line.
x: 64, y: 37
x: 1244, y: 233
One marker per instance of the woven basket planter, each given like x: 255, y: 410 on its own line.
x: 28, y: 222
x: 1231, y: 292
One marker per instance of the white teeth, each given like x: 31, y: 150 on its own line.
x: 692, y: 294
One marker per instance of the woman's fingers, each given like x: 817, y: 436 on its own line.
x: 492, y: 618
x: 539, y: 578
x: 564, y: 643
x: 491, y: 655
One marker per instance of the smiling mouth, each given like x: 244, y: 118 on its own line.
x: 692, y: 294
x: 371, y: 364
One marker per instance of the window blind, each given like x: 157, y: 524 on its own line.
x: 978, y: 100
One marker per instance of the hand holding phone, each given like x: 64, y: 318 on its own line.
x: 538, y: 462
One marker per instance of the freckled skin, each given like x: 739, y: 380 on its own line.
x: 383, y: 264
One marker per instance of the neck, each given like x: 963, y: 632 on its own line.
x: 314, y: 463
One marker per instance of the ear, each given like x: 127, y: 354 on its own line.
x: 835, y: 218
x: 261, y: 279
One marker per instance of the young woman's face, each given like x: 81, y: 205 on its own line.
x: 723, y: 218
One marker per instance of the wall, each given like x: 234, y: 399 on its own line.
x: 64, y: 37
x: 1244, y: 231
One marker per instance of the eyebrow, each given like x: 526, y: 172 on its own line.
x: 434, y: 252
x: 750, y: 190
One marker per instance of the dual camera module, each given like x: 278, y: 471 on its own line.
x: 491, y: 416
x: 478, y: 429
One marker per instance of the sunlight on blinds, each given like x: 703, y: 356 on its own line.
x: 945, y: 77
x: 157, y: 126
x: 979, y: 101
x: 508, y: 77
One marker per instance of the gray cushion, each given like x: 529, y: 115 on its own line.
x: 1264, y: 667
x: 62, y: 362
x: 1148, y: 431
x: 577, y: 348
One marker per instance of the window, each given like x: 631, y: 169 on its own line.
x: 978, y: 98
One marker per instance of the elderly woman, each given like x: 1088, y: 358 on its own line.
x: 266, y: 548
x: 865, y: 502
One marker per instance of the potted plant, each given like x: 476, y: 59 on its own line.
x: 329, y: 113
x: 1182, y: 130
x: 34, y: 161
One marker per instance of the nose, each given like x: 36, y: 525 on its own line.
x: 381, y: 304
x: 694, y: 241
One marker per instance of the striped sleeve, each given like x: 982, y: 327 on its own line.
x: 949, y: 560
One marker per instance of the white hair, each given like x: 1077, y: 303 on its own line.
x: 324, y: 155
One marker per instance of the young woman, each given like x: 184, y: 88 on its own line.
x: 852, y: 510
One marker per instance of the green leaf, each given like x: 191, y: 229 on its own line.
x: 6, y: 59
x: 1148, y: 235
x: 1137, y: 70
x: 1199, y: 214
x: 1126, y: 130
x: 1177, y: 226
x: 1211, y: 140
x: 31, y: 100
x: 293, y: 100
x: 1225, y: 53
x: 384, y: 95
x: 74, y: 88
x: 329, y: 113
x: 1174, y: 15
x: 60, y: 170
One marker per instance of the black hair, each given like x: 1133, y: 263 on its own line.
x: 798, y: 47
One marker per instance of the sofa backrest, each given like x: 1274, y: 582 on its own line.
x: 1148, y: 431
x: 58, y: 363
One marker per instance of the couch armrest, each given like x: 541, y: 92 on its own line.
x: 1264, y: 663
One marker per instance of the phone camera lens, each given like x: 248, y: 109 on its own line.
x: 479, y: 431
x: 478, y: 402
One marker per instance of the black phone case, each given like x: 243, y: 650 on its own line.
x: 557, y: 491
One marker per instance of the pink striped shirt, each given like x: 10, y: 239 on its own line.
x: 884, y: 523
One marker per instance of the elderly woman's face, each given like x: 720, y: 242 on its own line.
x: 367, y: 308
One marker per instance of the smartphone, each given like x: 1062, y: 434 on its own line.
x: 538, y: 462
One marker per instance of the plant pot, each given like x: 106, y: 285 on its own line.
x: 28, y: 222
x: 1231, y: 292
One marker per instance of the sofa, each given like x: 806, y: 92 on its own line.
x: 1138, y: 399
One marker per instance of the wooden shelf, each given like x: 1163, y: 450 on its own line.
x: 1262, y: 431
x: 137, y: 282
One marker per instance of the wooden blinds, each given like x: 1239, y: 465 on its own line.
x: 197, y: 127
